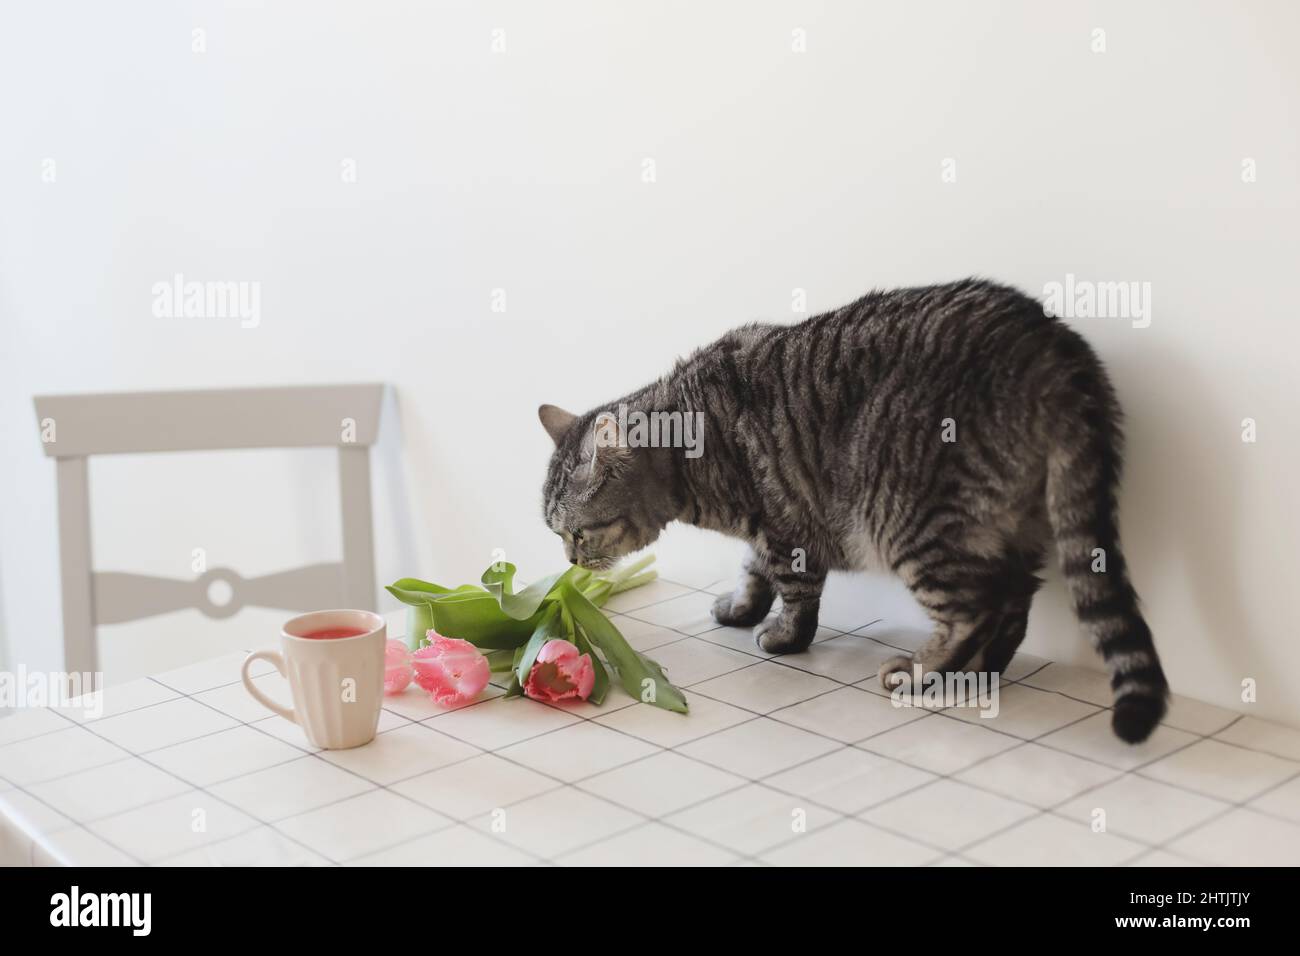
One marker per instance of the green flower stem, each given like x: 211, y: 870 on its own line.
x: 600, y: 588
x: 418, y: 621
x: 628, y: 570
x: 636, y: 582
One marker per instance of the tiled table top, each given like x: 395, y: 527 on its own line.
x: 794, y: 760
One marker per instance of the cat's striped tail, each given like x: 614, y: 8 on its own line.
x: 1082, y: 481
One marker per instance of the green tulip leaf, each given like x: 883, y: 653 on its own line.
x: 601, y: 687
x: 636, y: 672
x: 548, y: 628
x: 498, y: 579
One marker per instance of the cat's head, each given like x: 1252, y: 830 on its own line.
x: 602, y: 498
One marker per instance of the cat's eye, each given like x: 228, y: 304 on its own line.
x: 577, y: 534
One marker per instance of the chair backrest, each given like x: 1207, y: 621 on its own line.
x: 74, y: 427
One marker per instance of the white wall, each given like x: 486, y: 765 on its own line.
x: 522, y: 170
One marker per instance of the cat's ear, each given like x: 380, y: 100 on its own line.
x: 606, y: 445
x: 556, y: 421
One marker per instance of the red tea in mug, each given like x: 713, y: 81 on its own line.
x: 334, y: 633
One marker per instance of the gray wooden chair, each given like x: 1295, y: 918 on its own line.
x: 74, y: 427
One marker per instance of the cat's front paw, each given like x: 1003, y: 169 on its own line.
x: 895, y: 672
x: 786, y: 634
x: 729, y: 612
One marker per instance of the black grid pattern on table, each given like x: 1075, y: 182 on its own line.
x: 940, y: 854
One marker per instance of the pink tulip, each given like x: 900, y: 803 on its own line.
x: 451, y: 670
x: 397, y: 667
x: 560, y: 673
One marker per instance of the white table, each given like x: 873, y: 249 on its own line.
x: 798, y: 760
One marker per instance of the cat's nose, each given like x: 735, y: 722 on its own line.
x: 573, y: 560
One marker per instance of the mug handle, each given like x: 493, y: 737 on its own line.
x: 274, y: 658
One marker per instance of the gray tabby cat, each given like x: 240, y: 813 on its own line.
x: 948, y: 433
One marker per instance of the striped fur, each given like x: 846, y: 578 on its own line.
x: 946, y: 433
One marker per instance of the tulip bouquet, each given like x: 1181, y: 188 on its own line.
x: 550, y: 637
